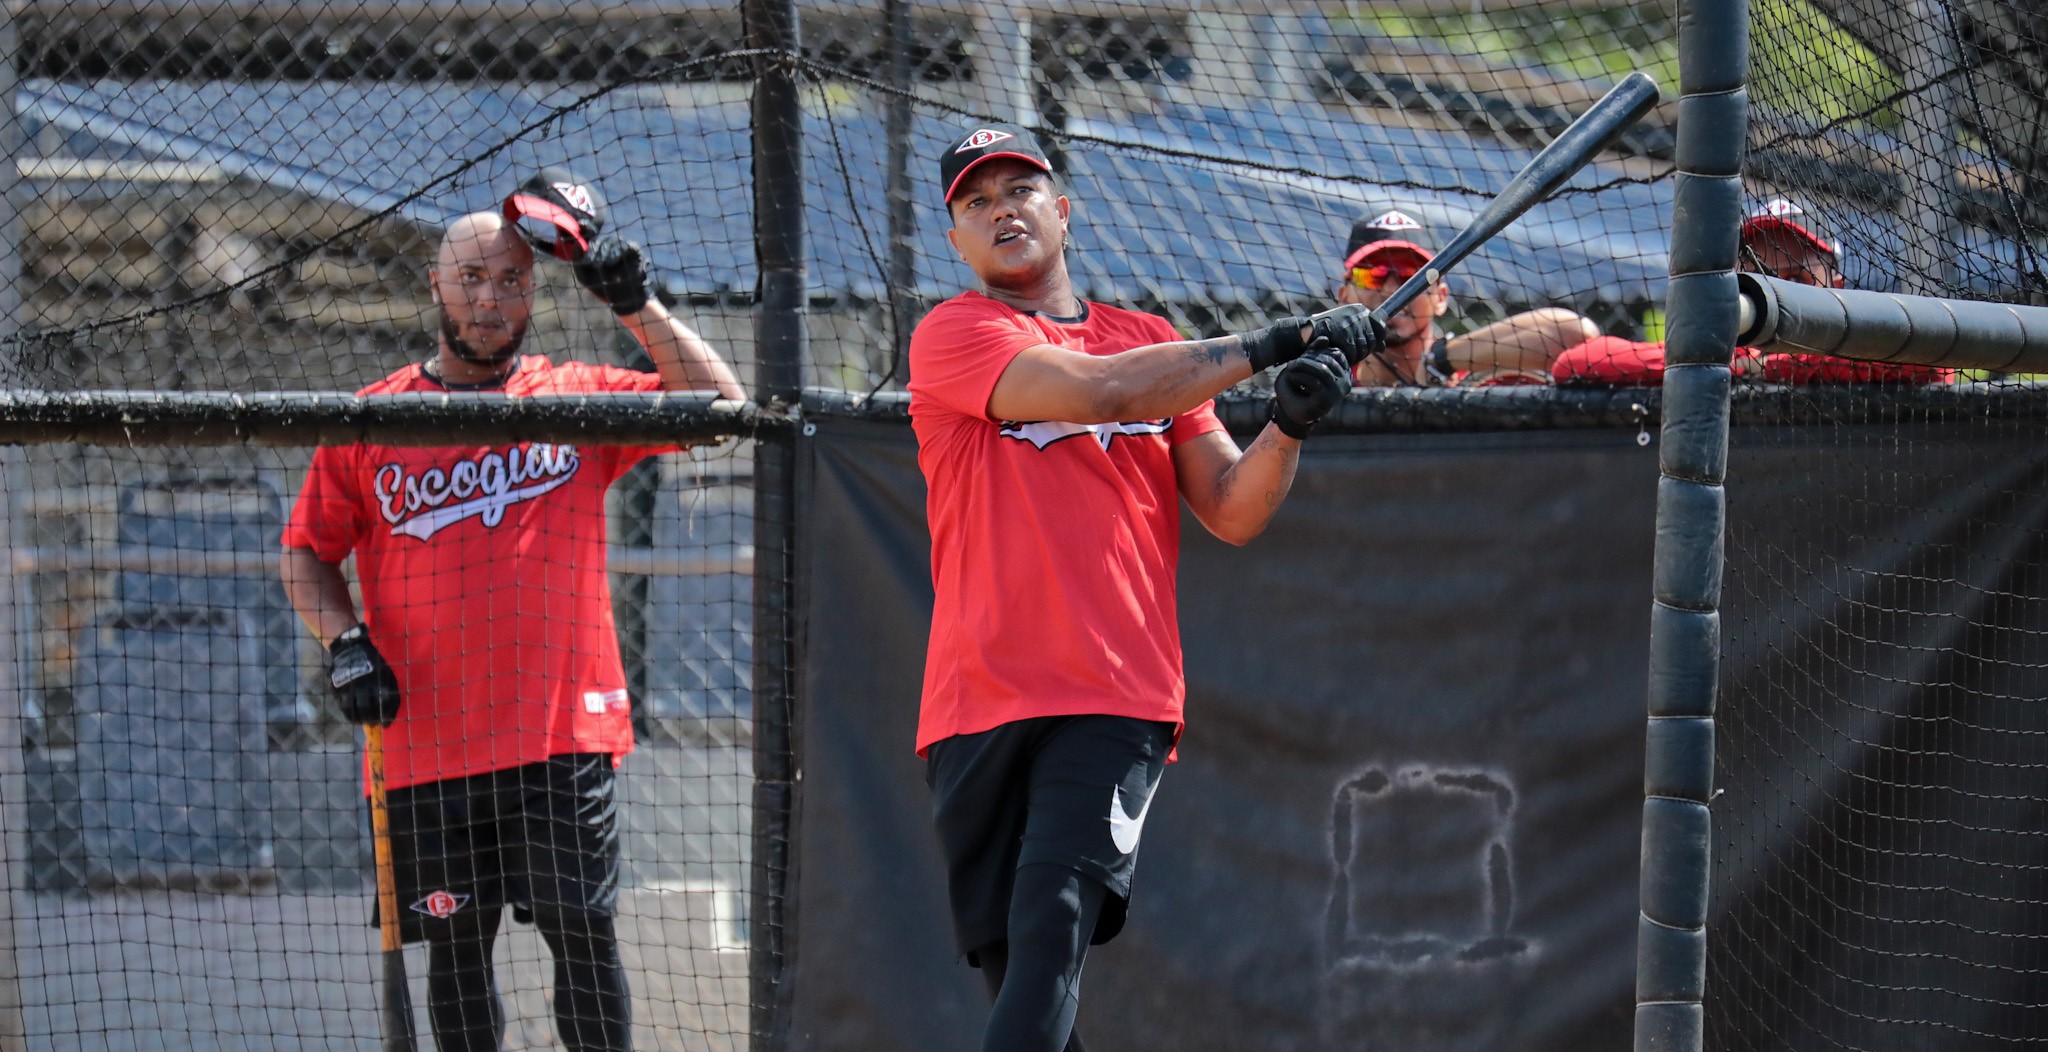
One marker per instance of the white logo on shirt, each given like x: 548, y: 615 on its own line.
x: 417, y: 505
x: 1042, y: 433
x: 598, y: 702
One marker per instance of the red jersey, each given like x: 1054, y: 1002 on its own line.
x: 1054, y: 545
x: 483, y: 582
x: 1613, y: 360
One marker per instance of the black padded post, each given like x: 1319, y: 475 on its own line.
x: 1703, y: 308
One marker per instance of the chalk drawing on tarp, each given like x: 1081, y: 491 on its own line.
x: 1423, y: 869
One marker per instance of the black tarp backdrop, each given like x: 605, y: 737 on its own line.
x: 1407, y: 812
x: 1407, y: 806
x: 1882, y: 840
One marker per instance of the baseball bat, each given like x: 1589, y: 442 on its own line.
x: 398, y: 1029
x: 1622, y: 106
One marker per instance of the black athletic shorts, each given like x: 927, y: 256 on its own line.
x: 540, y: 834
x: 1067, y: 790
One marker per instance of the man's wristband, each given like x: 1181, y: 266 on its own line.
x: 1438, y: 360
x: 1275, y: 344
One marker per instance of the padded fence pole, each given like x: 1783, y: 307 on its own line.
x: 1685, y: 627
x: 13, y: 674
x: 779, y: 342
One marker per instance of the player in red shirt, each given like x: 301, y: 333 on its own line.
x: 1058, y: 438
x: 1777, y: 239
x: 1386, y: 251
x: 495, y: 662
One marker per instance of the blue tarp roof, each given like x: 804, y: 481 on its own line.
x: 1269, y: 218
x: 1150, y: 224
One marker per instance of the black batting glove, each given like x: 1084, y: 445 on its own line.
x: 1351, y: 329
x: 362, y: 679
x: 1275, y: 344
x: 1308, y: 388
x: 615, y: 271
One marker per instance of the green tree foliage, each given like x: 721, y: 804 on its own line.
x: 1802, y: 62
x: 1595, y: 43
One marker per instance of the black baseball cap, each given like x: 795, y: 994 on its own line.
x: 986, y: 142
x: 556, y: 212
x: 1392, y: 231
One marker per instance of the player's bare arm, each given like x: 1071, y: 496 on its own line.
x: 1527, y: 341
x: 318, y: 592
x: 1164, y: 379
x: 1235, y: 494
x: 614, y: 269
x: 685, y: 360
x: 1143, y: 383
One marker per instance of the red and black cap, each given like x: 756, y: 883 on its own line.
x: 557, y: 213
x: 1781, y: 215
x: 1391, y: 233
x: 986, y: 142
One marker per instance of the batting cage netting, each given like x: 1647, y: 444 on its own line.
x: 1880, y: 832
x: 273, y: 363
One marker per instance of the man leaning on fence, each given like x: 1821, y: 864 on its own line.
x: 486, y: 641
x: 1785, y: 241
x: 1385, y: 250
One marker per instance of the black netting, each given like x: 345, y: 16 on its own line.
x: 196, y: 864
x: 1880, y: 836
x: 1218, y: 159
x: 218, y: 201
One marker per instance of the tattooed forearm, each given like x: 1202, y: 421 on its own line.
x: 1265, y: 474
x: 1213, y: 352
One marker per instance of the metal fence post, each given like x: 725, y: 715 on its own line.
x: 1685, y: 626
x: 779, y: 333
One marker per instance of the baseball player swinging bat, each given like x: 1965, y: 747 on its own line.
x: 1622, y: 106
x: 397, y: 991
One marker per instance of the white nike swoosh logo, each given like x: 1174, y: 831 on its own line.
x: 1123, y: 826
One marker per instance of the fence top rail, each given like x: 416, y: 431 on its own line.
x: 316, y: 418
x: 1413, y: 410
x: 310, y: 418
x: 630, y: 10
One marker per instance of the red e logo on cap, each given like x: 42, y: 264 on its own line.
x: 983, y: 138
x: 440, y: 904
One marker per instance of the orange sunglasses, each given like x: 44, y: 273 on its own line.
x: 1381, y: 276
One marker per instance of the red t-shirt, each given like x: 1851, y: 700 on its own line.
x: 483, y: 582
x: 1613, y: 360
x: 1054, y: 545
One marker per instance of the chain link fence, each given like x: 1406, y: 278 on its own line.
x: 246, y: 196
